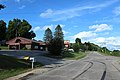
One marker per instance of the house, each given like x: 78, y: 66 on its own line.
x: 19, y: 43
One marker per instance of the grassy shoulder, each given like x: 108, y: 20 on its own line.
x: 69, y: 55
x: 74, y: 55
x: 111, y: 53
x: 10, y: 66
x: 105, y: 53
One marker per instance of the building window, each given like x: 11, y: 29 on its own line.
x: 36, y: 47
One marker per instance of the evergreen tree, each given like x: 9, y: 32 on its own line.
x: 56, y: 46
x: 48, y: 35
x: 57, y: 43
x: 2, y: 30
x: 58, y: 33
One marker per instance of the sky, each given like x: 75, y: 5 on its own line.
x: 95, y: 21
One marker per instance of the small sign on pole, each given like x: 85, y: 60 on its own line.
x: 32, y: 59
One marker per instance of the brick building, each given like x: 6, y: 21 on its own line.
x: 19, y: 43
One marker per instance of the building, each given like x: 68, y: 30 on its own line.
x: 67, y: 43
x: 19, y: 43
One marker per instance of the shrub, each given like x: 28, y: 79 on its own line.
x: 76, y: 47
x: 24, y: 48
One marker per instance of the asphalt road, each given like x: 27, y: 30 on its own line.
x: 92, y: 67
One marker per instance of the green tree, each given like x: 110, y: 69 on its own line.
x: 2, y: 6
x: 16, y: 28
x: 105, y: 49
x: 2, y: 30
x: 57, y: 43
x: 58, y: 33
x: 48, y: 36
x: 78, y: 40
x: 56, y: 46
x: 76, y: 47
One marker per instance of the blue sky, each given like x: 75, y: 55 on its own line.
x: 96, y: 21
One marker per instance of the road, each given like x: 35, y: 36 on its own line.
x: 93, y: 67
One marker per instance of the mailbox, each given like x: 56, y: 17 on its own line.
x: 32, y: 59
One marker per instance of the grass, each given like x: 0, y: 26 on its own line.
x: 115, y: 54
x: 68, y: 55
x: 74, y: 55
x: 105, y: 53
x: 4, y: 47
x: 10, y: 66
x: 110, y: 53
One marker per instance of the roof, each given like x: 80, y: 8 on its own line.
x: 24, y: 41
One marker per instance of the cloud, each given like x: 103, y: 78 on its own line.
x: 52, y: 27
x: 109, y: 42
x: 18, y: 1
x: 65, y: 32
x: 75, y: 26
x: 116, y: 11
x: 22, y: 7
x: 37, y: 28
x: 48, y: 26
x: 57, y: 15
x: 101, y: 27
x: 47, y: 14
x: 85, y: 35
x: 94, y: 37
x: 109, y: 19
x: 30, y: 1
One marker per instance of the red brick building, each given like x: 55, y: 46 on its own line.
x: 19, y: 43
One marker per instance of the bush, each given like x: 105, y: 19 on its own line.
x: 76, y: 47
x: 24, y: 48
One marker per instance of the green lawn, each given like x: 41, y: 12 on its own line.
x: 4, y: 47
x: 10, y: 66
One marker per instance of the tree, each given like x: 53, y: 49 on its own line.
x: 48, y: 36
x: 57, y: 43
x: 2, y: 30
x: 76, y: 47
x: 2, y: 6
x: 78, y: 40
x: 56, y: 46
x: 58, y: 33
x: 17, y: 28
x: 105, y: 49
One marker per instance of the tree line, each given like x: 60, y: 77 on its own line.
x: 15, y: 28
